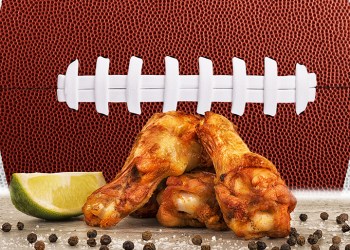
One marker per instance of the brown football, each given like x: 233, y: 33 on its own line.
x: 40, y: 38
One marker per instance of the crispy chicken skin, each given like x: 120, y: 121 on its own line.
x: 253, y: 198
x: 150, y: 209
x: 166, y: 146
x: 189, y: 200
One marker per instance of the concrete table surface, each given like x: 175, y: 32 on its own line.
x: 168, y: 238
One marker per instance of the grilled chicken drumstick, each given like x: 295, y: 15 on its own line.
x: 189, y: 200
x: 166, y: 146
x: 253, y: 198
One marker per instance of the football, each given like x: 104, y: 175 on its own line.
x: 40, y: 39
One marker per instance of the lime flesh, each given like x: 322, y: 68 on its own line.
x: 56, y: 196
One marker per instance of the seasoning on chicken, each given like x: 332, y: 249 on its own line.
x: 253, y: 198
x: 189, y: 200
x: 166, y: 146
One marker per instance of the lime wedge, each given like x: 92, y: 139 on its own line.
x: 53, y: 196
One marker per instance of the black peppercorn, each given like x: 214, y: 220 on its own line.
x: 31, y: 238
x: 345, y: 216
x: 147, y: 235
x: 347, y: 247
x: 205, y: 247
x: 252, y: 245
x: 39, y: 245
x: 149, y: 246
x: 91, y: 242
x: 105, y: 239
x: 336, y: 240
x: 293, y: 232
x: 6, y: 227
x: 324, y: 216
x: 339, y: 220
x: 285, y: 246
x: 20, y: 225
x: 342, y: 218
x: 261, y: 245
x: 315, y: 247
x: 91, y: 233
x: 128, y: 245
x: 292, y: 241
x: 312, y: 239
x: 53, y: 238
x: 73, y: 241
x: 303, y: 217
x: 301, y: 240
x: 104, y: 247
x: 345, y: 228
x: 334, y: 247
x: 275, y: 248
x: 318, y: 233
x: 197, y: 240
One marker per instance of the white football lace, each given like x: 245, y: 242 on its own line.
x: 172, y: 87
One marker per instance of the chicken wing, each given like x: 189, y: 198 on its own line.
x: 150, y: 209
x: 166, y: 146
x: 189, y: 200
x: 253, y: 198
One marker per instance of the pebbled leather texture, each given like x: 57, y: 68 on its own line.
x: 40, y: 38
